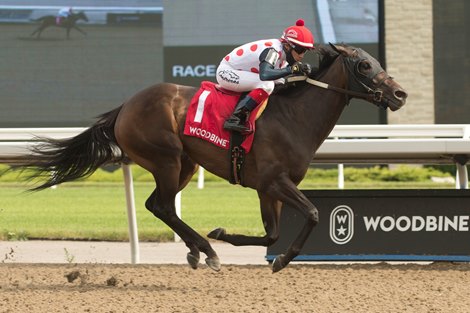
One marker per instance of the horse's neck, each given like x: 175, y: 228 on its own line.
x: 317, y: 109
x: 333, y: 103
x: 335, y: 73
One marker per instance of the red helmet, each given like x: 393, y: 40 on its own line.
x: 299, y: 35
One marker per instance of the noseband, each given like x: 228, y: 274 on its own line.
x: 372, y: 95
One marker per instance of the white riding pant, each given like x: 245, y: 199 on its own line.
x: 242, y: 81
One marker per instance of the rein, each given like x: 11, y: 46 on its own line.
x: 371, y: 95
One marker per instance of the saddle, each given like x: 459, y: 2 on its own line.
x: 59, y: 20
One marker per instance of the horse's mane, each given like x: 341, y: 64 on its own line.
x: 327, y: 55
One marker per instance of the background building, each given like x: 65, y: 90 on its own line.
x: 427, y: 48
x: 132, y: 44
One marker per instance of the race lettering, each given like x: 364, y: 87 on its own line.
x: 199, y: 70
x: 417, y: 223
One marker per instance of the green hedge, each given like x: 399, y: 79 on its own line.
x: 401, y: 173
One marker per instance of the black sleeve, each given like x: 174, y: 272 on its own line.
x: 268, y: 72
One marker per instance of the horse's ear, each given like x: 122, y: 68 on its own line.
x: 340, y: 49
x: 334, y: 47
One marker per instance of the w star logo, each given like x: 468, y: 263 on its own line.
x: 341, y: 224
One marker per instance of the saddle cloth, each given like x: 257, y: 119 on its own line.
x: 207, y: 112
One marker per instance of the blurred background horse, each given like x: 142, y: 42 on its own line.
x: 68, y: 23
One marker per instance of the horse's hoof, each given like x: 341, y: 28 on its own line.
x: 216, y: 233
x: 192, y: 260
x: 278, y: 264
x: 213, y: 263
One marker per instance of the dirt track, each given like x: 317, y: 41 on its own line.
x: 382, y: 288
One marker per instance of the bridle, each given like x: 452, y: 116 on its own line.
x: 352, y: 65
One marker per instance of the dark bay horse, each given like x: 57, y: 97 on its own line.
x: 69, y: 23
x: 148, y: 130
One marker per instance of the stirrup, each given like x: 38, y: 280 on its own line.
x: 236, y: 126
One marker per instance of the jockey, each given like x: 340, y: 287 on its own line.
x: 257, y: 66
x: 63, y: 14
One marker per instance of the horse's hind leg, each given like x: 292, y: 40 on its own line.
x: 270, y: 214
x: 188, y: 169
x: 193, y: 255
x: 38, y: 31
x: 170, y: 179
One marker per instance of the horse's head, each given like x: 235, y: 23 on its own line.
x: 82, y: 16
x: 368, y: 77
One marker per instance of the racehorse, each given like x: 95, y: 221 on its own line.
x: 148, y: 130
x: 69, y: 23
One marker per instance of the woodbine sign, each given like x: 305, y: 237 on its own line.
x: 383, y: 225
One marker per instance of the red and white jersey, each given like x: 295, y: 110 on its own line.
x: 246, y: 57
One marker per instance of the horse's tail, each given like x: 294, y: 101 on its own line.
x: 62, y: 160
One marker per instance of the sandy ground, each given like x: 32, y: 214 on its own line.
x: 64, y: 276
x: 440, y: 287
x: 60, y: 251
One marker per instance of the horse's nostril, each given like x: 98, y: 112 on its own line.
x: 401, y: 94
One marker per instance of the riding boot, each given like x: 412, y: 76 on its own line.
x: 239, y: 117
x: 237, y: 120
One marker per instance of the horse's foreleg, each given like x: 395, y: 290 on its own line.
x: 270, y: 213
x: 286, y: 191
x: 80, y: 30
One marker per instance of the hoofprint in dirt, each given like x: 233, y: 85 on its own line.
x: 439, y: 287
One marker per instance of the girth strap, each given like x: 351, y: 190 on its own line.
x: 237, y: 157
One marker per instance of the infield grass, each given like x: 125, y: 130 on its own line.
x: 96, y: 209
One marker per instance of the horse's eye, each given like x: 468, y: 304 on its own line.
x: 364, y: 66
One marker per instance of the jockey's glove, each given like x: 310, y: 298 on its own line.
x: 301, y: 68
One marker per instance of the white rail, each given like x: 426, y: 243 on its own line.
x: 385, y: 144
x: 83, y: 8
